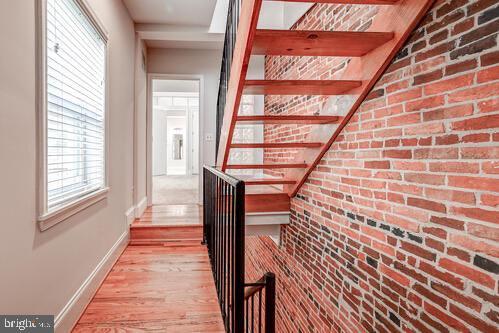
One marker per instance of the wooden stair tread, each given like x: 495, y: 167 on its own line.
x: 278, y: 145
x: 267, y: 166
x: 266, y: 202
x: 291, y: 119
x: 346, y: 2
x: 299, y: 87
x: 269, y: 181
x: 317, y: 43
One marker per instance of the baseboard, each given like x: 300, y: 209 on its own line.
x: 141, y: 207
x: 130, y: 216
x: 70, y: 314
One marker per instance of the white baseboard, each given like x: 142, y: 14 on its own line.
x: 130, y: 216
x: 71, y: 313
x: 141, y: 207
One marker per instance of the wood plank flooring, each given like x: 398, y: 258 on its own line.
x: 158, y: 289
x: 170, y: 215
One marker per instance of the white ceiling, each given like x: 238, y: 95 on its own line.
x: 171, y: 86
x: 174, y: 12
x: 200, y: 24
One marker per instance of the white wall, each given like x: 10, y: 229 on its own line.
x: 194, y: 62
x: 41, y: 271
x: 140, y: 144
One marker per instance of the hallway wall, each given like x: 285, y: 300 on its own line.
x: 41, y: 271
x: 396, y: 229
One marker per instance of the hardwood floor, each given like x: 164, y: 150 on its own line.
x: 156, y: 288
x: 171, y: 215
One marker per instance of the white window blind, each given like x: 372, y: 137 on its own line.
x: 75, y: 110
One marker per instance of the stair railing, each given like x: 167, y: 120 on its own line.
x: 228, y: 51
x: 223, y: 234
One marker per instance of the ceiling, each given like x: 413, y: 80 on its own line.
x: 200, y: 24
x: 173, y: 12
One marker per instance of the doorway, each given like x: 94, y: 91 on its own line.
x: 175, y: 141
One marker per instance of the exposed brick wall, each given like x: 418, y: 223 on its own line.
x: 397, y: 228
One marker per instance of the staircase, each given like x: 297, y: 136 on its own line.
x: 369, y: 52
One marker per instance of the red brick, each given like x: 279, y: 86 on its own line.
x: 419, y: 251
x: 474, y: 245
x: 436, y: 153
x: 449, y: 84
x: 489, y: 200
x: 474, y: 93
x: 479, y: 123
x: 404, y: 96
x: 458, y: 253
x: 424, y: 178
x: 457, y: 296
x: 449, y: 112
x: 480, y: 152
x: 489, y: 105
x: 397, y: 154
x: 489, y: 74
x: 474, y: 183
x: 472, y: 320
x: 477, y: 213
x: 468, y: 272
x: 426, y: 204
x: 451, y: 195
x: 377, y: 164
x: 484, y: 231
x: 491, y: 167
x: 448, y: 222
x: 425, y: 103
x: 425, y: 129
x: 442, y: 316
x: 455, y: 167
x: 445, y: 277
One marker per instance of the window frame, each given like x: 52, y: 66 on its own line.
x: 46, y: 219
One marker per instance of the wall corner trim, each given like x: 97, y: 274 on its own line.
x: 141, y: 207
x: 72, y: 311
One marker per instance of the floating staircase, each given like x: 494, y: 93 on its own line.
x: 370, y: 53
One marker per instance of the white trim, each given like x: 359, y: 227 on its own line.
x: 129, y: 216
x: 70, y: 314
x: 141, y: 207
x: 47, y: 219
x: 159, y: 76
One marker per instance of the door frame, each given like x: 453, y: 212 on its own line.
x: 159, y: 76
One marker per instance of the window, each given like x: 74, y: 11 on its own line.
x: 74, y: 108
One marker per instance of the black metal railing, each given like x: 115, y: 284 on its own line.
x: 261, y: 291
x: 228, y: 51
x: 223, y: 234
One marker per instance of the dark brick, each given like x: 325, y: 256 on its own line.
x: 486, y: 264
x: 488, y: 15
x: 475, y: 47
x: 394, y: 318
x: 479, y: 5
x: 372, y: 223
x: 398, y: 232
x: 372, y: 262
x: 479, y: 33
x: 384, y: 226
x: 428, y: 77
x: 415, y: 238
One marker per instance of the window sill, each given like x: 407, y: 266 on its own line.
x: 48, y: 220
